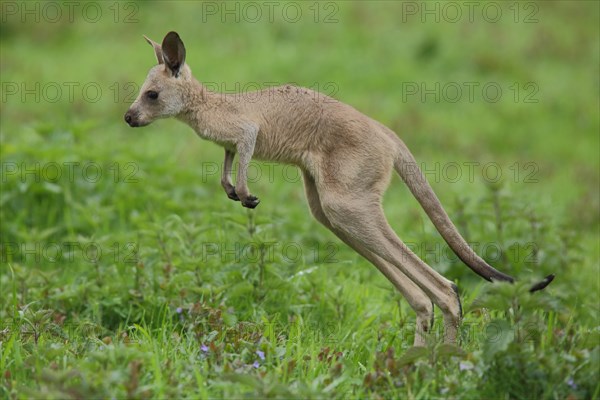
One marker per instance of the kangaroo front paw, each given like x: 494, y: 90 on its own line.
x: 250, y: 201
x: 232, y: 194
x: 230, y: 190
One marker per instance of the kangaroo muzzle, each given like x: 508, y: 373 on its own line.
x: 132, y: 118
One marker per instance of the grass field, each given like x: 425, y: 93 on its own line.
x: 125, y: 271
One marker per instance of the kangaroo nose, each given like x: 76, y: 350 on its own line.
x: 128, y: 118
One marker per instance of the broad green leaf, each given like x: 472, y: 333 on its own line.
x: 498, y: 335
x: 413, y: 354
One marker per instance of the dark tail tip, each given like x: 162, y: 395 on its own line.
x: 499, y: 277
x: 541, y: 285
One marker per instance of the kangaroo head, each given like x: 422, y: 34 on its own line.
x: 163, y: 93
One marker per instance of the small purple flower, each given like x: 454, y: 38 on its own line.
x: 179, y: 310
x: 204, y: 348
x: 256, y: 364
x: 571, y: 383
x: 465, y: 366
x: 261, y: 354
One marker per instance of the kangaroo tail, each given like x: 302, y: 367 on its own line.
x: 407, y: 168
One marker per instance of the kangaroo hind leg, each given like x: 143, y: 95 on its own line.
x: 415, y: 297
x: 358, y: 215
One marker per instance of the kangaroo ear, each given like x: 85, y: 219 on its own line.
x: 173, y: 52
x: 157, y: 49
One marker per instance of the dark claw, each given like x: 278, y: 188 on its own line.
x: 251, y: 202
x: 233, y: 195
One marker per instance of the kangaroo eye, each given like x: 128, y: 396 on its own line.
x: 152, y: 94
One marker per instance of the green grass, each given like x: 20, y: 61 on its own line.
x: 147, y: 282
